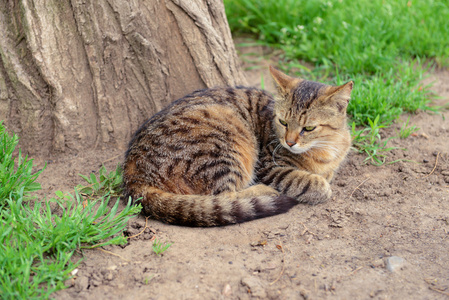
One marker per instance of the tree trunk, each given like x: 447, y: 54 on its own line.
x: 77, y: 74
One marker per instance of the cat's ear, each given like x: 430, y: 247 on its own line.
x: 341, y: 95
x: 284, y: 82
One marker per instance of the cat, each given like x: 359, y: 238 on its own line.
x: 227, y: 155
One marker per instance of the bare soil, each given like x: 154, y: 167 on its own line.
x: 336, y: 250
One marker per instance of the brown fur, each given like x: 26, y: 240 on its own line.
x: 229, y: 155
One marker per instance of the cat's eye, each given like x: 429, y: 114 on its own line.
x: 283, y: 123
x: 309, y: 128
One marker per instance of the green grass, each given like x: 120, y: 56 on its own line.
x: 38, y: 240
x: 37, y: 245
x: 380, y: 45
x: 106, y: 183
x: 368, y: 141
x: 16, y: 175
x: 159, y: 248
x: 357, y: 36
x: 407, y: 130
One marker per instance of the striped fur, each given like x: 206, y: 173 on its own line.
x: 218, y: 156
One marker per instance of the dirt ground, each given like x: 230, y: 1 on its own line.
x: 342, y: 249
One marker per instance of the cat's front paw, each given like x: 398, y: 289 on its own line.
x: 316, y: 190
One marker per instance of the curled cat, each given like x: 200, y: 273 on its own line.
x: 228, y: 155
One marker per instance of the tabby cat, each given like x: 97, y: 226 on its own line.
x: 229, y: 155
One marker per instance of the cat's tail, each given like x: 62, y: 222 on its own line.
x: 255, y: 202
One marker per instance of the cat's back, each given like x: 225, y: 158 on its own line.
x: 242, y: 100
x: 208, y: 109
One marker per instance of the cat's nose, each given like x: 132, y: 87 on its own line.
x: 290, y: 144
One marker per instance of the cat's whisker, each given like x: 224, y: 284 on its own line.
x: 327, y: 146
x: 274, y: 153
x: 273, y: 141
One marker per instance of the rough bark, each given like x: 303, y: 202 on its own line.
x: 77, y: 74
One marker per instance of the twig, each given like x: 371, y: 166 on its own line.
x: 438, y: 290
x: 354, y: 271
x: 146, y: 226
x: 109, y: 159
x: 306, y: 230
x: 436, y: 162
x: 283, y: 263
x: 115, y: 254
x: 359, y: 186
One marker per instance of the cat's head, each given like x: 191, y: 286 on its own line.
x: 309, y: 115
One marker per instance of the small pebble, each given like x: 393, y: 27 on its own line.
x: 425, y: 161
x: 394, y: 263
x: 227, y: 291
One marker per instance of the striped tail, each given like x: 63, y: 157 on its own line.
x: 255, y: 202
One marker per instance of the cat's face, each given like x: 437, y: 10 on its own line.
x: 310, y: 115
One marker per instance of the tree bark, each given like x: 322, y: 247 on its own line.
x: 77, y: 74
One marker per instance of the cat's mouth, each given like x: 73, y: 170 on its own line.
x: 295, y: 148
